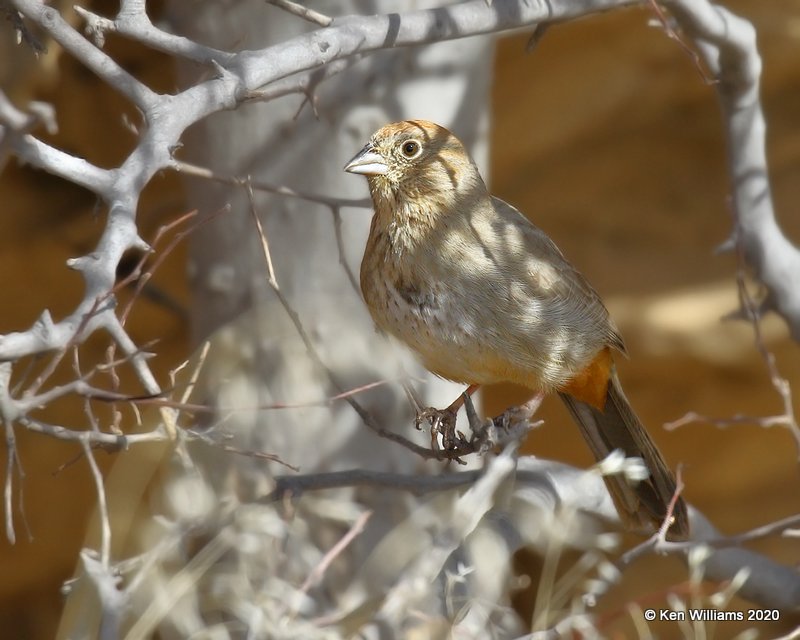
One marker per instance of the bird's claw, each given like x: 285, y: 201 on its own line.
x: 442, y: 423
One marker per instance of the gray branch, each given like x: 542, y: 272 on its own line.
x: 50, y: 20
x: 727, y: 45
x: 133, y: 22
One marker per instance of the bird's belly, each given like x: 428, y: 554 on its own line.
x: 445, y: 335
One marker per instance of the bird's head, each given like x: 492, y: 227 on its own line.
x: 415, y: 160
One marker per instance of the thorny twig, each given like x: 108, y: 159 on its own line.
x: 17, y: 407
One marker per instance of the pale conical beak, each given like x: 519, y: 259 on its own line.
x: 367, y: 163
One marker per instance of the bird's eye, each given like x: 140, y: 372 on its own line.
x: 411, y: 149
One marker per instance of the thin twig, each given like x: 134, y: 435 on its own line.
x: 23, y: 516
x: 102, y: 505
x: 8, y: 490
x: 780, y: 383
x: 683, y: 546
x: 669, y: 516
x: 730, y: 421
x: 302, y: 12
x: 318, y: 572
x: 23, y: 33
x: 674, y: 35
x: 246, y: 182
x: 160, y: 401
x: 136, y: 274
x: 658, y: 541
x: 337, y: 229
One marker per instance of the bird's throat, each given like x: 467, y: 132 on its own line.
x: 406, y: 221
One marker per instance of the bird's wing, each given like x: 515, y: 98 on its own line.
x: 553, y: 276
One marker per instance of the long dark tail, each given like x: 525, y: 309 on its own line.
x: 643, y: 505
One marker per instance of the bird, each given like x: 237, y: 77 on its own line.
x: 483, y: 296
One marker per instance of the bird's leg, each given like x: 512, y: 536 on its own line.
x: 513, y: 417
x: 475, y: 423
x: 459, y: 401
x: 521, y: 413
x: 443, y: 421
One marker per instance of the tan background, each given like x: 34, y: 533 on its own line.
x: 609, y: 139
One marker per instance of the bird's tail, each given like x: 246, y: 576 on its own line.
x: 643, y: 505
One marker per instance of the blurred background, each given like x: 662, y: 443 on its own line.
x: 606, y: 135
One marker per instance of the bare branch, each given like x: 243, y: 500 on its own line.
x: 296, y: 485
x: 132, y: 22
x: 59, y: 163
x: 112, y: 441
x: 727, y: 45
x: 305, y: 83
x: 111, y: 599
x: 49, y: 19
x: 553, y: 486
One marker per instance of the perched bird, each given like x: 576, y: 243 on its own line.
x: 484, y: 296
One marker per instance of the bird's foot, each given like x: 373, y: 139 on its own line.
x: 443, y: 424
x: 510, y: 426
